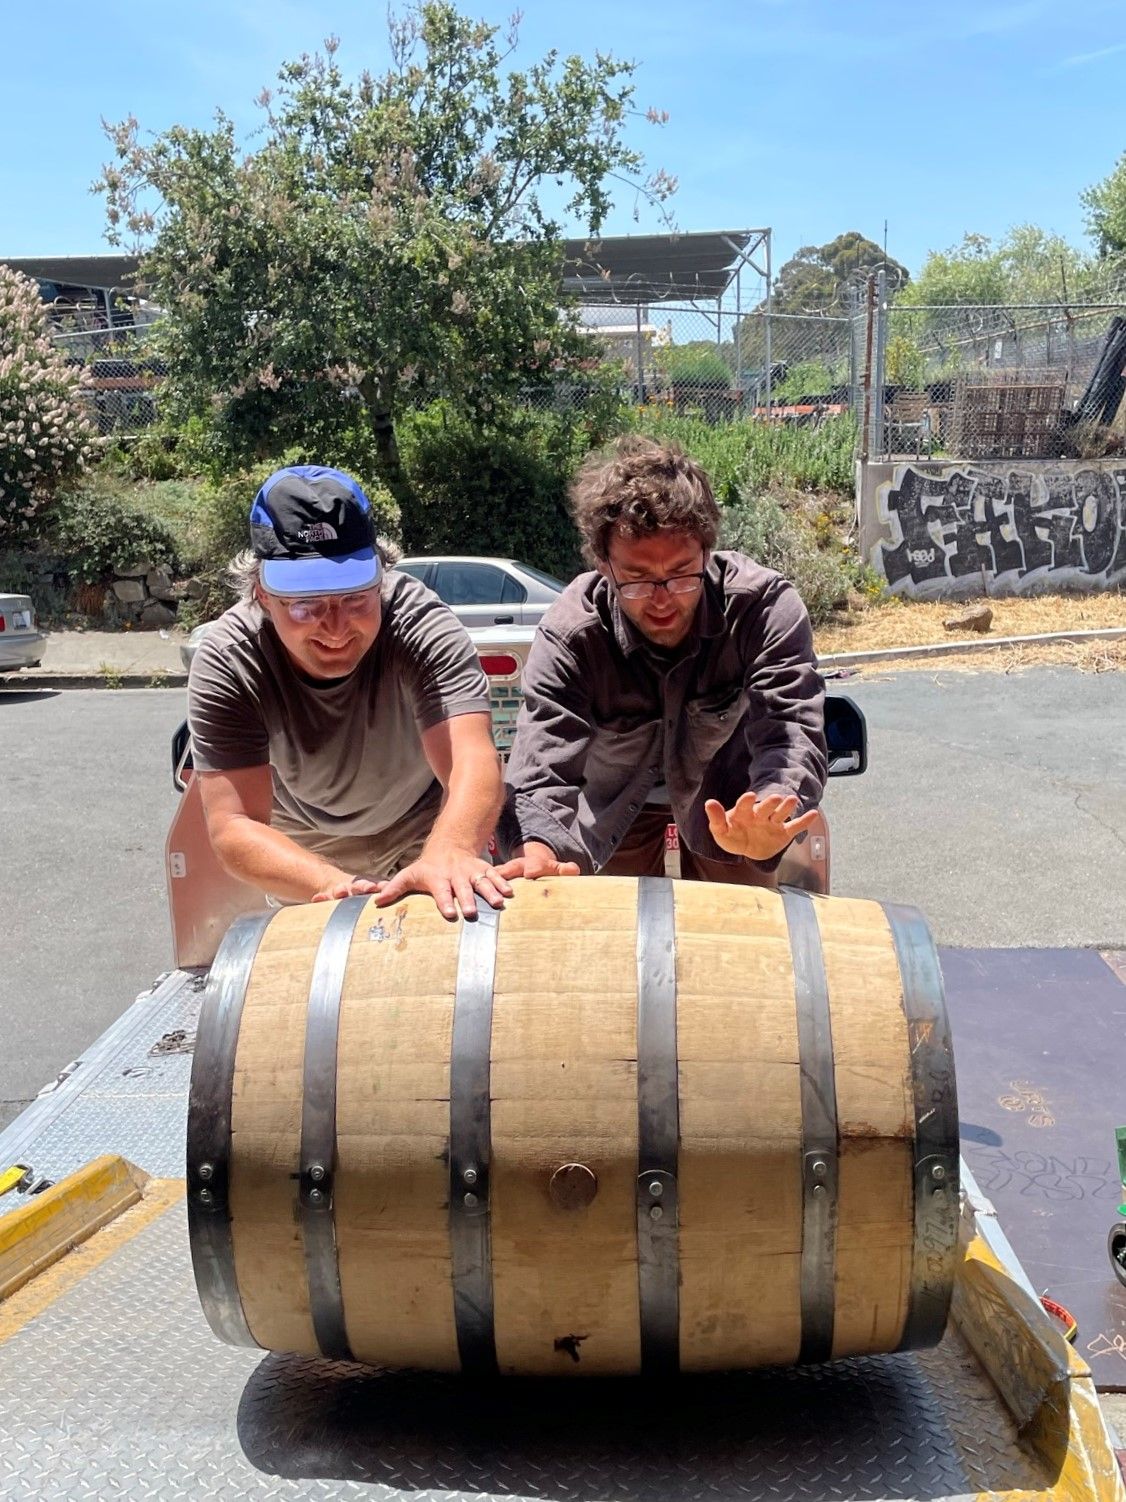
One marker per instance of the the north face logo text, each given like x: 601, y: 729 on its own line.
x: 318, y: 532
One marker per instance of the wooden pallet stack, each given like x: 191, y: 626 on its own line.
x: 1008, y: 419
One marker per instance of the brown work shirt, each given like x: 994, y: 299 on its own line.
x: 608, y: 718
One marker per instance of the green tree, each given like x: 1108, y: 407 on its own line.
x: 1105, y: 203
x: 815, y: 283
x: 388, y: 241
x: 1028, y: 265
x: 817, y: 277
x: 969, y: 273
x: 1043, y: 267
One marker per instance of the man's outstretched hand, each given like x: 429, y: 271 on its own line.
x: 757, y: 828
x: 537, y: 860
x: 347, y: 886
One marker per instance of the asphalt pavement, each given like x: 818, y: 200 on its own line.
x: 996, y: 803
x: 86, y: 797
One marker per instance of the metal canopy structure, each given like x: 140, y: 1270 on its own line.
x: 695, y: 267
x: 105, y: 273
x: 631, y: 269
x: 698, y: 270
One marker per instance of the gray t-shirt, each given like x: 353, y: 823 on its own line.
x: 346, y: 755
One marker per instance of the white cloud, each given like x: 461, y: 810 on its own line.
x: 1080, y: 58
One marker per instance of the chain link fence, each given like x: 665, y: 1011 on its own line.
x: 1017, y: 381
x: 987, y: 382
x: 707, y: 362
x: 121, y: 373
x: 722, y: 365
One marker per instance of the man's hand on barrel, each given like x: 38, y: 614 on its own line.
x: 537, y: 860
x: 757, y: 828
x: 347, y: 886
x: 454, y: 877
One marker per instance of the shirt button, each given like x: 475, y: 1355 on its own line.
x: 653, y: 771
x: 633, y: 808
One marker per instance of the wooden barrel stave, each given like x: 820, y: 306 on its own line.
x: 563, y: 1087
x: 876, y: 1123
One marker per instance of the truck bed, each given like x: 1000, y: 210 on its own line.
x: 112, y: 1385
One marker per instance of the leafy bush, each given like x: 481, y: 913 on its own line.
x: 97, y: 531
x: 498, y: 489
x: 759, y: 455
x: 906, y: 363
x: 696, y: 364
x: 806, y: 378
x: 45, y: 435
x: 786, y: 538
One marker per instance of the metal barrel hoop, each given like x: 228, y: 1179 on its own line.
x: 658, y: 1129
x: 471, y: 1143
x: 935, y: 1092
x: 208, y: 1155
x: 317, y: 1167
x: 820, y: 1132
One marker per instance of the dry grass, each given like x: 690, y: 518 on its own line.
x: 1087, y: 657
x: 910, y: 624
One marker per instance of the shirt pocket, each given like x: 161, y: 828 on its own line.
x: 711, y: 720
x: 617, y: 749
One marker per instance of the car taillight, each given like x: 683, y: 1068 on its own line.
x: 3, y: 623
x: 499, y: 664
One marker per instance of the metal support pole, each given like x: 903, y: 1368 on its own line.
x: 738, y: 334
x: 881, y: 358
x: 640, y: 360
x: 769, y: 296
x: 866, y: 423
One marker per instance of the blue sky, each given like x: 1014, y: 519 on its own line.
x: 811, y: 116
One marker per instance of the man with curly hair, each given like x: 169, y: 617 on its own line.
x: 673, y: 684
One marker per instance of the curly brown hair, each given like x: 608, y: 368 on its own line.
x: 639, y: 487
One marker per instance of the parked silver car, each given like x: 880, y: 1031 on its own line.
x: 487, y: 591
x: 22, y: 644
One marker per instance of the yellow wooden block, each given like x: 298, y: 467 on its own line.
x: 48, y: 1226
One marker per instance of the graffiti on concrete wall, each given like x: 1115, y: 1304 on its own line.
x: 1063, y: 526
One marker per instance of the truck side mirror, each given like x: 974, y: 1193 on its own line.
x: 181, y: 757
x: 846, y: 736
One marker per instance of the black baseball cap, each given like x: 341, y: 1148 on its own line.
x: 313, y: 530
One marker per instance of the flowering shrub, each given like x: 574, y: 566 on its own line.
x: 45, y: 435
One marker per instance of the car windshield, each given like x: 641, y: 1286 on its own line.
x: 538, y: 574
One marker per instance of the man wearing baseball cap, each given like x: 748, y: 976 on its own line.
x: 339, y: 716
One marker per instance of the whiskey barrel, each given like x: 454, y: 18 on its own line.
x: 621, y: 1127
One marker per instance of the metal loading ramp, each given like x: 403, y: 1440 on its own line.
x: 112, y: 1385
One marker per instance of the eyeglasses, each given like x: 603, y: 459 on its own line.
x: 645, y: 589
x: 306, y: 612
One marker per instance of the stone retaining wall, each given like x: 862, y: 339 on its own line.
x: 146, y: 596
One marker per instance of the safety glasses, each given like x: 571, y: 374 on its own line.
x: 307, y: 612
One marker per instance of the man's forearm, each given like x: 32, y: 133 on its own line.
x: 472, y: 805
x: 265, y: 858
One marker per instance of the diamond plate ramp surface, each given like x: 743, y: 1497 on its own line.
x: 120, y: 1390
x: 129, y: 1095
x: 1040, y: 1049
